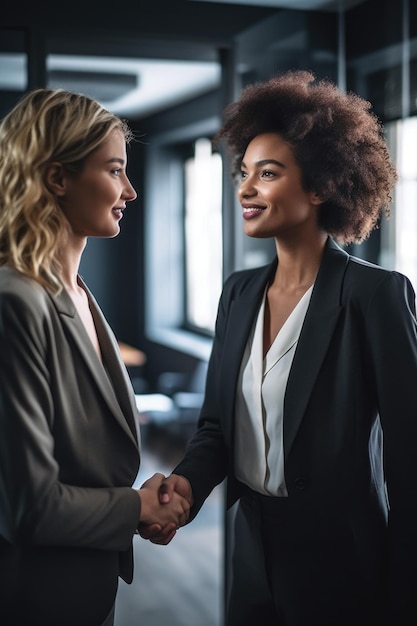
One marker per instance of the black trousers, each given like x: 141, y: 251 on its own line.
x: 294, y: 566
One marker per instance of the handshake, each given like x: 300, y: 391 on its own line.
x: 165, y: 506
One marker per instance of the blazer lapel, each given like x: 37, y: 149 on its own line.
x: 122, y: 410
x: 241, y: 318
x: 116, y: 369
x: 316, y: 333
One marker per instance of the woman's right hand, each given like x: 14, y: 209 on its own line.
x: 174, y: 500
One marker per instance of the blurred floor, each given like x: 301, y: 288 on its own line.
x: 180, y: 584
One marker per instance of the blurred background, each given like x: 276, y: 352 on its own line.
x: 170, y: 67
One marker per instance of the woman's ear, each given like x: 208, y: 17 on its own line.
x: 316, y: 199
x: 55, y: 179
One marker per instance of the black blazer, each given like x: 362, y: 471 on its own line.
x: 69, y: 454
x: 350, y: 406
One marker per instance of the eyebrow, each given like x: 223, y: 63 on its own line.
x: 266, y: 162
x: 117, y: 160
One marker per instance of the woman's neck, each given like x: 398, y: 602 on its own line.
x: 70, y: 258
x: 298, y: 264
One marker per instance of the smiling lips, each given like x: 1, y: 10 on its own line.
x: 118, y: 213
x: 250, y: 212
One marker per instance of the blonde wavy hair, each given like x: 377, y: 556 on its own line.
x: 45, y: 126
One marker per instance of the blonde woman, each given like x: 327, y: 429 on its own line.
x: 69, y: 449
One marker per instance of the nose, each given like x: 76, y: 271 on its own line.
x: 246, y: 188
x: 129, y: 192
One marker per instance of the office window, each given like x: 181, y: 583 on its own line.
x: 183, y: 237
x: 202, y: 236
x: 13, y: 68
x: 399, y: 241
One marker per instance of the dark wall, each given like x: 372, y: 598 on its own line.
x: 141, y: 23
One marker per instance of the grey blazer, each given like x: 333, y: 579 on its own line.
x: 69, y: 454
x: 350, y: 410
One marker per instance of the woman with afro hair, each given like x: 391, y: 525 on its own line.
x: 310, y: 408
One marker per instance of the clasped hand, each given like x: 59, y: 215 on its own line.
x: 166, y: 504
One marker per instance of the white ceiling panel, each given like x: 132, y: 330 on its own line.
x: 159, y: 83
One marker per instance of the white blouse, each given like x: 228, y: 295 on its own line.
x: 259, y: 460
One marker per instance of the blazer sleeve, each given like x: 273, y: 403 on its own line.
x: 392, y: 336
x: 35, y: 506
x: 206, y: 460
